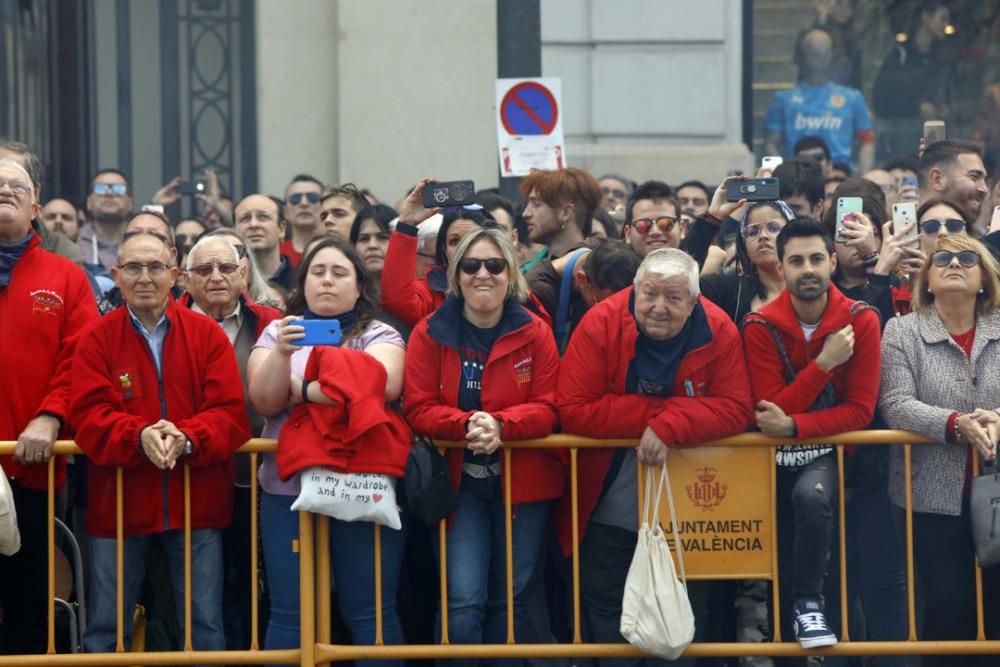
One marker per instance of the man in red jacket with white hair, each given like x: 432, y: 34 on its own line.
x: 814, y: 364
x: 45, y: 301
x: 154, y: 385
x: 656, y: 362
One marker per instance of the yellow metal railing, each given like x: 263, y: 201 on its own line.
x: 315, y: 589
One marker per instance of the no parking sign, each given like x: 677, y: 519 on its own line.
x: 529, y: 125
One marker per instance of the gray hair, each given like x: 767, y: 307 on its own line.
x: 31, y: 162
x: 257, y: 287
x: 14, y: 164
x: 618, y: 177
x: 205, y: 240
x: 670, y: 262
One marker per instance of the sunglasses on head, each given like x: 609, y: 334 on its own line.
x: 932, y: 227
x: 311, y: 197
x: 665, y: 224
x: 967, y: 258
x: 119, y: 189
x: 471, y: 265
x: 205, y: 270
x: 753, y: 231
x: 453, y: 210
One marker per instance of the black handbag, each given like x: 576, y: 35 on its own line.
x: 430, y: 496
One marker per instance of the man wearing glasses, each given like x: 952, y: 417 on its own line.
x: 216, y: 281
x: 155, y: 385
x: 45, y: 301
x: 109, y: 205
x: 302, y: 198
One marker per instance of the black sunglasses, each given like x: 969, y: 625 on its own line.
x: 311, y: 197
x: 967, y: 258
x: 932, y: 227
x: 471, y: 266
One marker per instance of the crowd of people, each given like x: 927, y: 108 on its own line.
x: 598, y: 307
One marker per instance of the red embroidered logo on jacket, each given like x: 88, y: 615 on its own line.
x: 127, y: 384
x: 46, y: 302
x: 523, y: 371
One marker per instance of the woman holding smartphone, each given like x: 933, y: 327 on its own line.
x: 331, y: 285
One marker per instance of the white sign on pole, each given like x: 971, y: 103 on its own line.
x: 529, y: 125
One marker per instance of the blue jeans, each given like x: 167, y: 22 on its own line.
x: 206, y: 587
x: 352, y: 557
x: 477, y: 564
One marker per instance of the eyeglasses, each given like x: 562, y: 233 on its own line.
x: 205, y: 270
x: 135, y: 269
x: 119, y: 189
x: 19, y: 188
x: 311, y: 197
x: 967, y: 258
x: 471, y: 266
x: 141, y: 232
x: 933, y: 227
x: 753, y: 231
x: 614, y: 192
x: 665, y: 224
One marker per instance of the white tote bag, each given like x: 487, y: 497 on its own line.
x: 359, y: 496
x: 10, y: 536
x: 656, y: 612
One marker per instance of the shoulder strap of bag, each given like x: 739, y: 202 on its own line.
x: 562, y: 314
x: 665, y: 479
x: 757, y: 318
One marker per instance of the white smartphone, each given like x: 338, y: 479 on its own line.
x: 771, y: 162
x: 846, y: 205
x: 905, y: 213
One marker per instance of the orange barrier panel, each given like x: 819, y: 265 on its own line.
x: 313, y: 545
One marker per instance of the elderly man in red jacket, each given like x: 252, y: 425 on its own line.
x: 155, y: 384
x: 45, y: 301
x: 655, y: 362
x: 814, y: 363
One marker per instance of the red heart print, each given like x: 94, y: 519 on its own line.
x: 376, y: 497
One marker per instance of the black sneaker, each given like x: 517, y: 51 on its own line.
x: 811, y: 629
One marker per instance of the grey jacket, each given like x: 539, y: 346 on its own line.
x: 925, y: 377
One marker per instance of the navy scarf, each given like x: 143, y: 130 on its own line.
x: 10, y: 253
x: 654, y: 368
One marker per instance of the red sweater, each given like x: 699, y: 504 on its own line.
x: 518, y: 387
x: 46, y: 305
x: 117, y: 392
x: 855, y: 382
x: 593, y: 403
x: 358, y: 434
x: 259, y: 314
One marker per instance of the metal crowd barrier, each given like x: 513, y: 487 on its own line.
x: 316, y: 648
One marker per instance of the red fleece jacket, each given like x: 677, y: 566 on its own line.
x: 358, y: 434
x: 117, y: 392
x: 518, y: 387
x: 42, y: 311
x: 856, y: 382
x: 593, y: 403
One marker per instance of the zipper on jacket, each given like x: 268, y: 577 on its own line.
x: 165, y: 476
